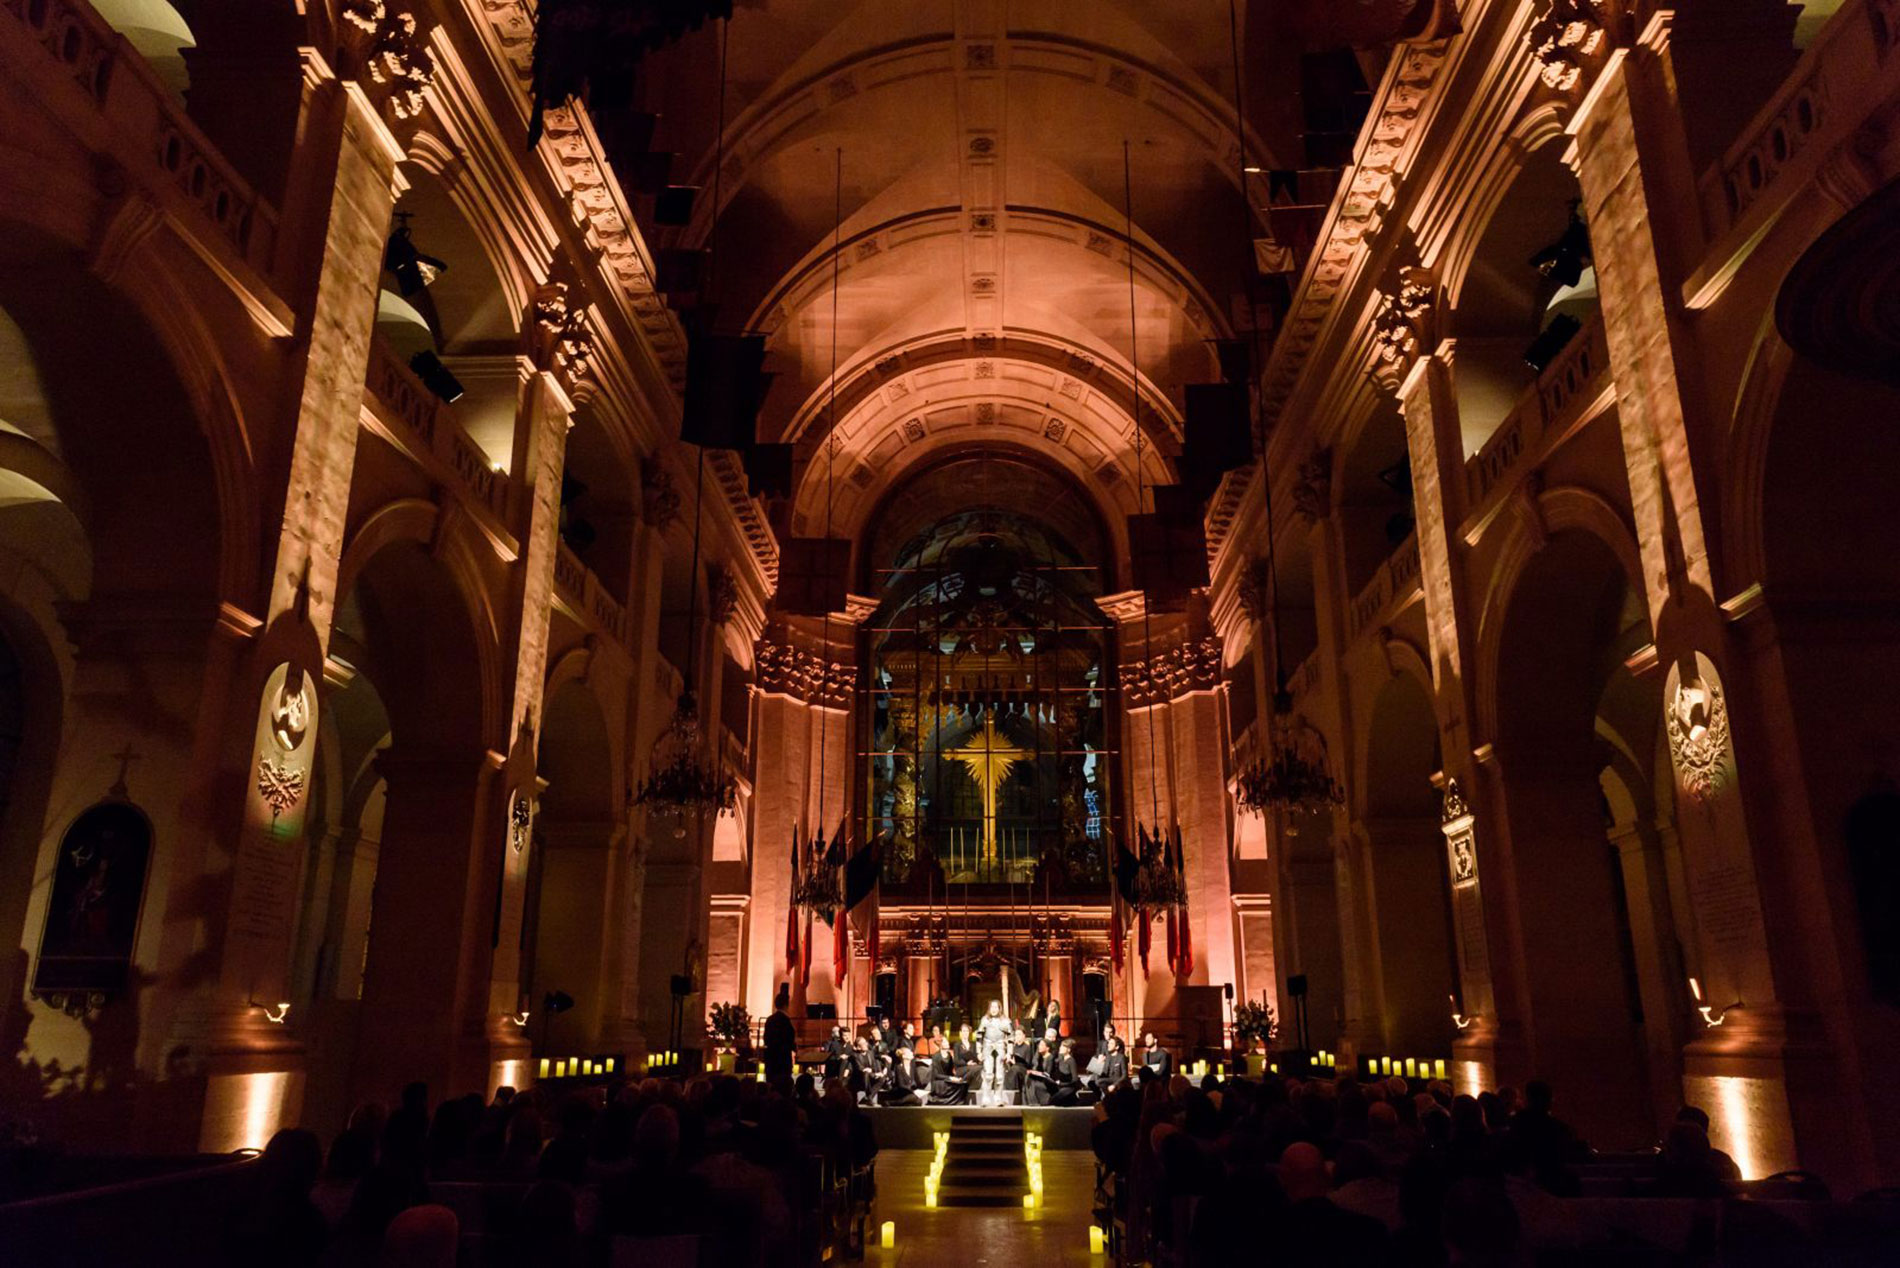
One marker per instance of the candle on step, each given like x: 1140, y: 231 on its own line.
x: 1095, y: 1239
x: 887, y: 1234
x: 1438, y: 1068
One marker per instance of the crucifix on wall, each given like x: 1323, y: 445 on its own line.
x: 989, y: 758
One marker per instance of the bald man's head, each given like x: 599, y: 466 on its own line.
x: 1303, y: 1173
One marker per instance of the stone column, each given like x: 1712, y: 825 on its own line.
x: 1493, y: 1008
x: 1628, y: 156
x: 426, y: 984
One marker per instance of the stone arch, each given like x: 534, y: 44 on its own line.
x: 1409, y: 892
x: 1568, y: 625
x: 576, y: 864
x: 1496, y: 302
x: 1562, y: 509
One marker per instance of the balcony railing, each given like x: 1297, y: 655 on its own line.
x: 426, y: 426
x: 135, y: 104
x: 1547, y: 406
x: 1394, y: 583
x: 586, y: 596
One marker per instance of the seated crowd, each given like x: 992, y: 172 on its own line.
x: 1340, y: 1172
x: 559, y: 1176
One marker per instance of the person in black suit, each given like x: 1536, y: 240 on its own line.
x: 1156, y: 1063
x: 886, y: 1043
x: 901, y: 1087
x: 1114, y: 1064
x: 835, y: 1054
x: 968, y: 1056
x: 1039, y: 1083
x: 1062, y: 1075
x: 1020, y: 1057
x: 781, y: 1039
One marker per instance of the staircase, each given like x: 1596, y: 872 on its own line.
x: 984, y: 1165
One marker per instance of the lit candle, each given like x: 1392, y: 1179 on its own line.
x: 1411, y: 1068
x: 1095, y: 1239
x: 1029, y: 1201
x: 887, y: 1234
x: 560, y: 1069
x: 1438, y: 1068
x: 610, y: 1065
x: 930, y: 1195
x: 544, y: 1067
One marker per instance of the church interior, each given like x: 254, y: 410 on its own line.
x: 585, y: 584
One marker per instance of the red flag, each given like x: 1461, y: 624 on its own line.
x: 1142, y: 936
x: 804, y: 962
x: 840, y: 947
x: 791, y: 918
x: 1174, y: 939
x: 1186, y: 949
x: 1117, y: 935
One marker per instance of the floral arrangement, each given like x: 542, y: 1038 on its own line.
x: 1255, y: 1021
x: 729, y: 1026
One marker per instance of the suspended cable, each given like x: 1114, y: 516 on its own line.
x: 1141, y: 503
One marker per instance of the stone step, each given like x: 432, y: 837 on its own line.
x: 979, y: 1197
x: 968, y: 1177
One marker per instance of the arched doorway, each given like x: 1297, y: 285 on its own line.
x: 1411, y: 894
x: 572, y: 874
x: 1572, y: 622
x: 417, y: 804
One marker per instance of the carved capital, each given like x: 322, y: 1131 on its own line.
x: 1251, y: 589
x: 722, y: 594
x: 1568, y: 40
x: 659, y: 499
x: 1193, y: 666
x: 1313, y: 486
x: 1403, y: 327
x: 398, y: 56
x: 563, y: 343
x: 794, y: 671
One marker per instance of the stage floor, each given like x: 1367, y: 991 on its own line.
x: 902, y: 1127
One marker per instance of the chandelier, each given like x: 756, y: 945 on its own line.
x: 1294, y: 777
x: 819, y: 889
x: 682, y: 778
x: 1158, y: 883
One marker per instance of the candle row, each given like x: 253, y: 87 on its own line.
x: 1409, y: 1067
x: 574, y: 1067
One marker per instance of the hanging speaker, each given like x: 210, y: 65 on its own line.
x: 724, y: 389
x: 812, y: 575
x: 768, y: 470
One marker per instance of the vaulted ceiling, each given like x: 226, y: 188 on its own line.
x: 956, y: 168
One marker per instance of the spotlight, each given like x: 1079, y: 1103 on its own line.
x: 1544, y: 349
x: 1563, y: 261
x: 435, y: 376
x: 412, y: 269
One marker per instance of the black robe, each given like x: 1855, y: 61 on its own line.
x: 948, y: 1086
x: 1063, y: 1081
x: 1114, y: 1070
x: 969, y: 1059
x: 1039, y: 1085
x: 1021, y: 1056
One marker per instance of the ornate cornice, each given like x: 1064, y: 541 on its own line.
x: 1359, y: 208
x: 597, y: 203
x: 794, y: 671
x: 1193, y: 666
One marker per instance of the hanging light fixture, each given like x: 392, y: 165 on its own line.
x: 1294, y: 776
x: 682, y: 778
